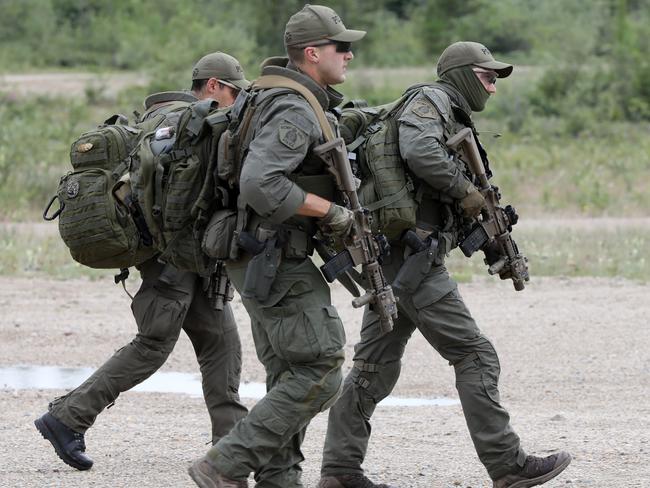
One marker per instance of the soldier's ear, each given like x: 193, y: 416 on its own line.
x: 212, y: 84
x: 312, y: 54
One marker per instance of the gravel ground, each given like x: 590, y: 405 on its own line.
x: 575, y: 376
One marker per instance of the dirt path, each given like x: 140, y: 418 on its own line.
x: 575, y: 375
x: 67, y: 84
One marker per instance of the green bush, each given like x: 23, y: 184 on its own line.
x: 34, y: 150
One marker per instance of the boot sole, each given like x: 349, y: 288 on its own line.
x: 543, y: 479
x: 48, y: 435
x: 201, y: 480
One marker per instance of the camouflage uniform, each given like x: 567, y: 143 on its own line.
x: 168, y: 300
x: 436, y: 308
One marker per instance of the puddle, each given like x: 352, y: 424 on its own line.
x: 54, y: 377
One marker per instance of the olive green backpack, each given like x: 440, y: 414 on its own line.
x: 372, y: 139
x: 141, y: 190
x: 94, y: 226
x: 172, y: 177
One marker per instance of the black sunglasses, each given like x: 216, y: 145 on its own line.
x: 341, y: 46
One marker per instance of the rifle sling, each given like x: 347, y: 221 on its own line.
x: 278, y: 81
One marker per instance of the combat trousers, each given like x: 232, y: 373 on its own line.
x: 167, y: 301
x: 299, y: 339
x: 438, y: 311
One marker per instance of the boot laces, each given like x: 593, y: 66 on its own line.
x: 79, y: 439
x: 537, y: 465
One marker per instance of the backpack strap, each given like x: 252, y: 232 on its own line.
x: 278, y: 81
x: 269, y: 82
x: 200, y: 111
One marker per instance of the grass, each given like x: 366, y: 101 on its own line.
x: 33, y: 254
x: 543, y: 165
x: 569, y: 252
x: 605, y: 253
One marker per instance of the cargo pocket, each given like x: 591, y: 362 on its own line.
x: 491, y: 388
x: 302, y: 336
x: 435, y: 285
x: 329, y: 329
x: 270, y: 419
x: 156, y: 315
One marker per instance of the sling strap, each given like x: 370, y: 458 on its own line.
x: 278, y: 81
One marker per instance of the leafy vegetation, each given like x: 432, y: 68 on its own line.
x: 622, y: 252
x: 573, y: 118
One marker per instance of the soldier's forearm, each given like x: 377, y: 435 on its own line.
x: 314, y: 206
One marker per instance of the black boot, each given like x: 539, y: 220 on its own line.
x: 349, y: 481
x: 68, y: 444
x: 536, y: 471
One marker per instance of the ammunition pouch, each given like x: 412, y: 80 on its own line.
x: 262, y: 268
x: 218, y: 288
x: 217, y: 238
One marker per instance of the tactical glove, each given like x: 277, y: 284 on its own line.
x: 472, y: 203
x: 337, y: 221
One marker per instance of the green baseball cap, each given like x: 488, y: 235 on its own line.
x: 317, y: 23
x: 471, y: 53
x: 221, y: 66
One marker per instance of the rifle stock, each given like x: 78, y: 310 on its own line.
x: 492, y: 227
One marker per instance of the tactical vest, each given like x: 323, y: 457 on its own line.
x: 387, y: 191
x: 172, y: 181
x: 436, y: 210
x: 311, y: 175
x: 398, y: 201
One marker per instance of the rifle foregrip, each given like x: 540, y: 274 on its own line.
x: 363, y: 300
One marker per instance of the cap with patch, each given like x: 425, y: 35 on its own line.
x: 317, y: 23
x: 471, y: 53
x: 221, y: 66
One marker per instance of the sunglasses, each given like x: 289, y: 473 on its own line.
x: 490, y: 77
x: 225, y: 83
x: 341, y: 47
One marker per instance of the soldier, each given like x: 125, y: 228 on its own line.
x: 298, y: 334
x: 467, y: 76
x: 168, y: 300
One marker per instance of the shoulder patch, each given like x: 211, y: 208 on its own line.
x: 440, y: 100
x: 291, y: 135
x: 424, y: 109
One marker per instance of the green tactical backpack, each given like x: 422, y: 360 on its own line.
x: 100, y: 229
x: 371, y: 135
x: 172, y: 180
x: 93, y: 224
